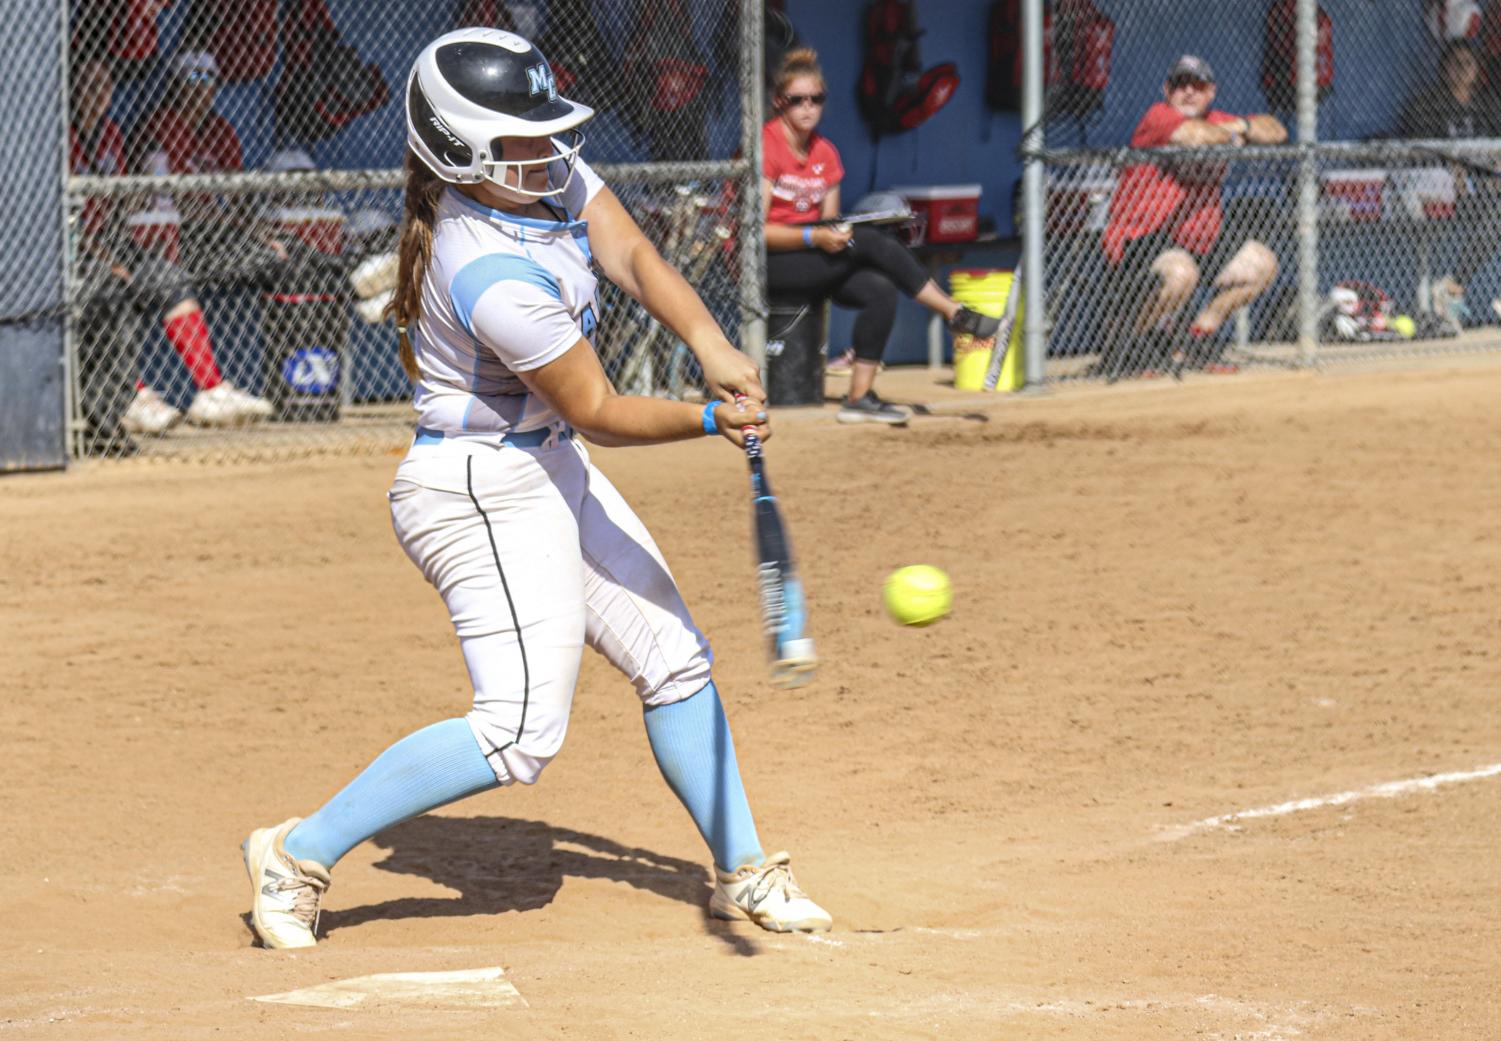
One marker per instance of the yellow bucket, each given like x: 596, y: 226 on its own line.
x: 986, y: 291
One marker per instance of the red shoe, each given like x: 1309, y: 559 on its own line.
x: 1220, y: 368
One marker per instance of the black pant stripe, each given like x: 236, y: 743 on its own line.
x: 526, y: 675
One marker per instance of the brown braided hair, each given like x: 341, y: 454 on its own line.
x: 415, y: 252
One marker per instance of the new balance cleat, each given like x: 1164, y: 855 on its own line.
x: 768, y: 895
x: 285, y: 893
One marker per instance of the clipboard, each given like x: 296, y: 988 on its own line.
x: 874, y: 217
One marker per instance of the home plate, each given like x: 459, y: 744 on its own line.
x: 461, y: 988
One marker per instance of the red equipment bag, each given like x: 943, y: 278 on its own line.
x: 324, y: 84
x: 242, y: 36
x: 665, y: 76
x: 1003, y: 55
x: 895, y: 94
x: 126, y: 28
x: 1279, y: 56
x: 1077, y: 48
x: 1085, y: 43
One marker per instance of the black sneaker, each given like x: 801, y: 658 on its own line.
x: 980, y: 326
x: 871, y: 409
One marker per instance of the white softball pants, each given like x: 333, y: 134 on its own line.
x: 536, y: 554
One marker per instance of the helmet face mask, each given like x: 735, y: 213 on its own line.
x: 497, y: 169
x: 471, y: 88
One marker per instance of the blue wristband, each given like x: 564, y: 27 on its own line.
x: 807, y: 234
x: 711, y: 427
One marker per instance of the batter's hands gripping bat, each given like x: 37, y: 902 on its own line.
x: 783, y: 611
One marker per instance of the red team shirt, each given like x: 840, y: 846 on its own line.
x: 798, y: 185
x: 1183, y: 198
x: 209, y: 148
x: 166, y: 144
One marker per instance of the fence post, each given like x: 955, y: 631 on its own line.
x: 34, y: 407
x: 1034, y: 324
x: 753, y: 221
x: 1308, y: 182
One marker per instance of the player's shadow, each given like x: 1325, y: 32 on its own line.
x: 499, y: 864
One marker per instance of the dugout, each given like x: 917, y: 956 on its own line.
x: 969, y: 142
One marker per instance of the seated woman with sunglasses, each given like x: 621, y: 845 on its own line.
x: 859, y: 268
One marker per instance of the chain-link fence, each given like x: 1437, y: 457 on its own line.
x: 1185, y: 201
x: 236, y: 190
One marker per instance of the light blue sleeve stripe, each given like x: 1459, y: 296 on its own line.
x: 475, y: 277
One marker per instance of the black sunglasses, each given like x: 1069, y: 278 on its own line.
x: 794, y: 100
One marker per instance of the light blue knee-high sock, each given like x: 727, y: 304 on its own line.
x: 692, y: 744
x: 421, y: 772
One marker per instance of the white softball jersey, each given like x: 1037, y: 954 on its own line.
x: 532, y: 549
x: 503, y: 294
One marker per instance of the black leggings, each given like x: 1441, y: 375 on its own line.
x: 1475, y: 221
x: 156, y: 285
x: 866, y: 278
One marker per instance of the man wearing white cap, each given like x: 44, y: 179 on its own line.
x: 184, y: 135
x: 1165, y: 232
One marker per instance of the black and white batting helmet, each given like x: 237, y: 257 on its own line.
x: 471, y: 87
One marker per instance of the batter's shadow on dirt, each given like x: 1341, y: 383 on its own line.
x: 499, y: 864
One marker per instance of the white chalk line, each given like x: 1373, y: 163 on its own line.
x: 1386, y: 790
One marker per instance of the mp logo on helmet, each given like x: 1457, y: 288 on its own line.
x: 539, y: 80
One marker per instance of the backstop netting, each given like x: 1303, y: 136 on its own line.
x: 236, y: 188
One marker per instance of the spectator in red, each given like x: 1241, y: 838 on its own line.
x: 184, y: 135
x: 111, y: 262
x: 1165, y: 228
x: 859, y: 267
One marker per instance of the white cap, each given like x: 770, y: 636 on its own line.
x: 195, y: 61
x: 368, y: 221
x: 288, y: 159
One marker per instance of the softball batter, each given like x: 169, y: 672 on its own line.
x: 533, y: 551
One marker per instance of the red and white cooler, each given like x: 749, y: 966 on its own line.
x: 316, y: 227
x: 950, y: 211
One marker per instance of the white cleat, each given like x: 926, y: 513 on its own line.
x: 768, y: 895
x: 284, y: 893
x: 149, y: 414
x: 225, y: 405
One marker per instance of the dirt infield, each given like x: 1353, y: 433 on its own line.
x: 1173, y: 604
